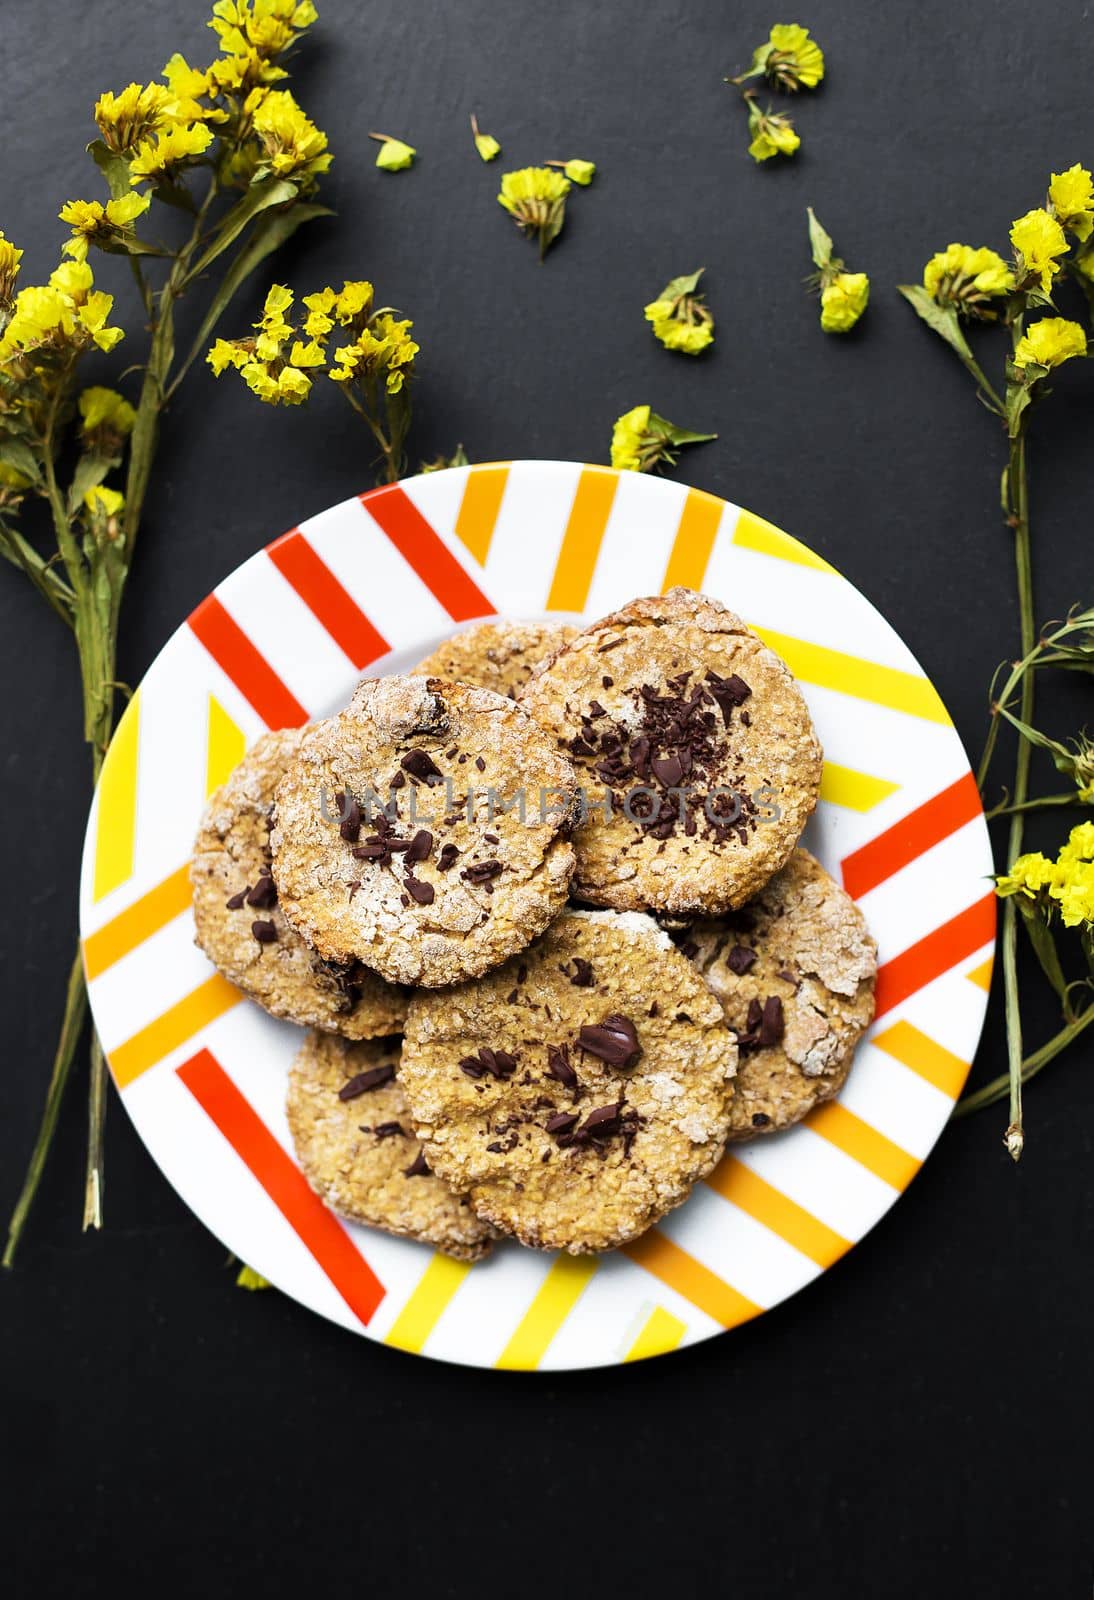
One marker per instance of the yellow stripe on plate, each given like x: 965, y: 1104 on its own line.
x: 695, y: 535
x: 658, y: 1255
x: 981, y: 975
x: 854, y: 791
x: 435, y: 1288
x: 661, y: 1332
x: 478, y: 513
x: 226, y: 745
x: 581, y: 542
x: 559, y: 1292
x: 137, y: 923
x: 116, y: 835
x: 923, y: 1055
x: 753, y: 533
x: 178, y: 1023
x: 864, y: 1144
x: 866, y: 680
x: 764, y: 1203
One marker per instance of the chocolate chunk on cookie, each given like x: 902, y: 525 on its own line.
x: 351, y: 1128
x: 496, y: 655
x: 241, y: 927
x: 694, y: 748
x: 424, y: 831
x: 563, y: 1093
x: 794, y: 971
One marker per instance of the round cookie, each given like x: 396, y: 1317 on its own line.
x: 564, y: 1094
x: 693, y: 734
x: 496, y: 655
x: 392, y: 845
x: 241, y: 927
x: 794, y: 971
x: 349, y: 1122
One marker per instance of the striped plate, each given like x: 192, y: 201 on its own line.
x: 374, y: 584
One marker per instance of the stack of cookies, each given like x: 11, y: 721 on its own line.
x: 542, y: 903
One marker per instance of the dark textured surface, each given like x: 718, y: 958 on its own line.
x: 915, y: 1420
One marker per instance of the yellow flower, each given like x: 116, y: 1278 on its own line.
x: 68, y: 311
x: 967, y: 279
x: 383, y: 349
x: 126, y: 119
x: 1076, y: 897
x: 843, y: 301
x: 107, y: 501
x: 627, y: 438
x: 266, y: 27
x: 581, y: 172
x: 772, y: 135
x: 188, y: 86
x: 293, y: 145
x: 1080, y: 844
x: 1038, y: 239
x: 10, y: 258
x: 1028, y: 875
x: 394, y: 156
x: 93, y: 223
x: 487, y: 146
x: 248, y: 1278
x: 241, y: 73
x: 105, y: 410
x: 1049, y: 342
x: 680, y: 317
x: 793, y: 60
x: 158, y: 158
x: 535, y: 198
x: 227, y: 353
x: 1071, y: 195
x: 354, y: 300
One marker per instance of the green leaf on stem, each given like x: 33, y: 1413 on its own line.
x: 114, y: 168
x: 821, y: 244
x: 940, y: 319
x: 1044, y: 947
x: 90, y: 472
x: 15, y: 453
x: 260, y: 197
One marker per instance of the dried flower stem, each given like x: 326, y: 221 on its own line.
x: 994, y: 1091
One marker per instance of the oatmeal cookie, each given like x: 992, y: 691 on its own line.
x: 496, y: 655
x: 694, y: 747
x: 794, y: 971
x: 444, y: 882
x: 348, y: 1118
x: 577, y: 1093
x: 241, y: 927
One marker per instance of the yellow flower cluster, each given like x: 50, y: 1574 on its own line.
x: 628, y: 438
x: 10, y: 258
x: 1069, y: 880
x: 94, y: 223
x: 67, y: 313
x: 394, y: 155
x: 277, y: 362
x: 1049, y: 342
x: 264, y: 28
x: 1038, y: 241
x: 967, y: 279
x: 843, y: 301
x: 535, y: 198
x: 791, y: 59
x: 105, y: 416
x: 680, y: 317
x: 1071, y: 196
x: 641, y: 440
x: 772, y: 134
x: 294, y: 147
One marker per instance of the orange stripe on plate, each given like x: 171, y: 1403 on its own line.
x: 478, y: 513
x: 581, y: 542
x: 422, y: 547
x: 137, y: 923
x: 326, y: 599
x: 177, y: 1024
x: 921, y: 1054
x: 935, y: 954
x: 763, y: 1202
x: 255, y: 1145
x: 657, y: 1254
x: 911, y: 837
x: 863, y: 1144
x: 694, y: 541
x: 248, y: 669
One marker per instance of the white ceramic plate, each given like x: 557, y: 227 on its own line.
x: 374, y: 584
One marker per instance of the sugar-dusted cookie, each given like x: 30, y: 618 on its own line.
x: 349, y: 1121
x: 240, y: 925
x: 578, y: 1092
x: 695, y: 749
x: 496, y: 655
x: 794, y: 971
x: 468, y: 861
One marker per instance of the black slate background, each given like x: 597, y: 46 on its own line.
x: 920, y: 1417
